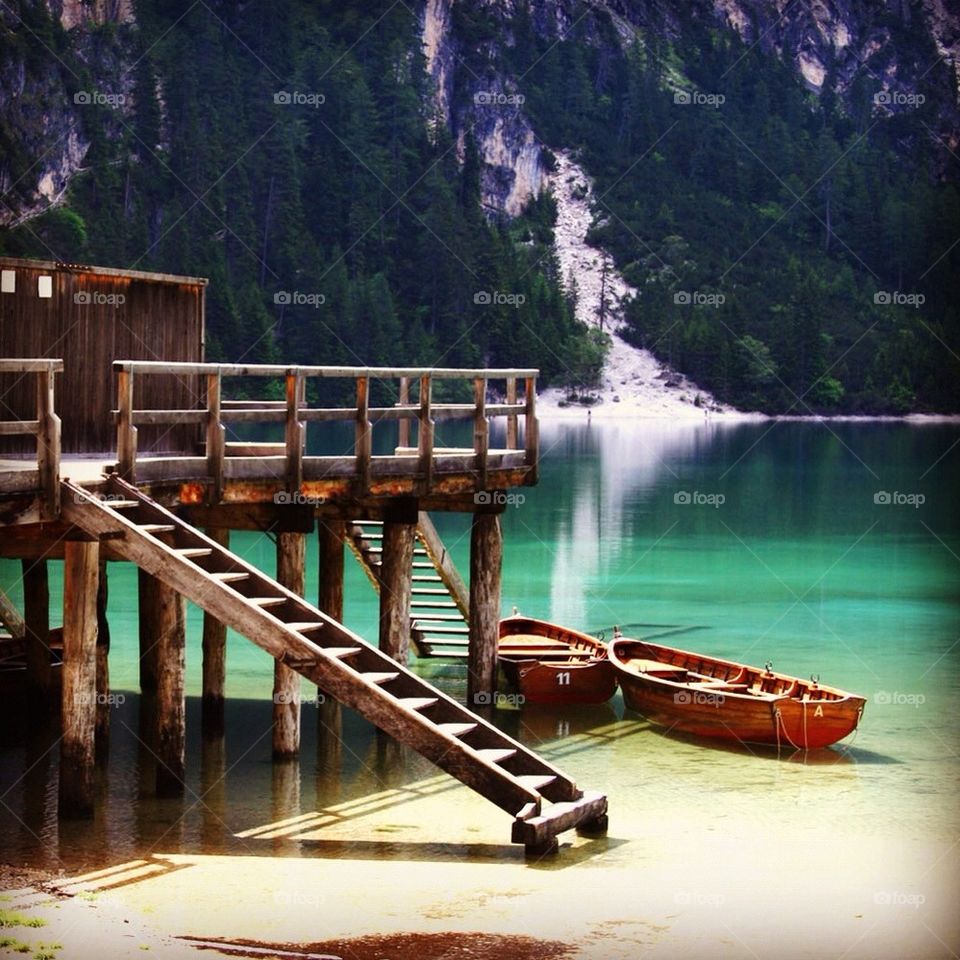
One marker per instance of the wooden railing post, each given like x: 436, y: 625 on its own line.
x: 481, y: 431
x: 425, y: 434
x: 531, y: 430
x: 48, y: 446
x: 126, y: 431
x: 403, y: 426
x: 364, y: 436
x: 215, y: 439
x: 512, y: 418
x: 294, y: 433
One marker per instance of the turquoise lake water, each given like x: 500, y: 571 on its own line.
x: 827, y: 548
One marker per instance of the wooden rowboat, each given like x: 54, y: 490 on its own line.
x: 548, y: 663
x: 709, y: 697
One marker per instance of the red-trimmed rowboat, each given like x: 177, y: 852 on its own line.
x: 548, y: 663
x: 708, y: 697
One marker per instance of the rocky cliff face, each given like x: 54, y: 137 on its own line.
x: 830, y: 43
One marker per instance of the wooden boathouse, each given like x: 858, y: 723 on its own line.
x: 162, y: 482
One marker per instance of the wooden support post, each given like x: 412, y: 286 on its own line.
x: 512, y: 431
x: 126, y: 431
x: 286, y: 682
x: 531, y: 430
x: 170, y: 609
x: 294, y: 433
x: 486, y: 556
x: 425, y: 436
x: 216, y: 434
x: 403, y: 426
x: 396, y: 565
x: 48, y: 447
x: 36, y: 610
x: 79, y: 692
x: 481, y: 432
x: 104, y: 701
x: 363, y: 443
x: 147, y: 615
x: 214, y: 659
x: 331, y: 535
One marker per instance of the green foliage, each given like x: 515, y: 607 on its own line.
x: 338, y: 228
x: 775, y: 218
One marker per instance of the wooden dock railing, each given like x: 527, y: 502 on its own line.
x: 288, y: 460
x: 45, y: 427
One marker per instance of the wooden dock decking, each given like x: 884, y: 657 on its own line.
x: 144, y: 506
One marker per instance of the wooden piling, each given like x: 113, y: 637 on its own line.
x: 79, y: 690
x: 214, y: 659
x: 486, y: 556
x: 331, y: 535
x: 170, y: 610
x: 36, y: 613
x: 286, y: 682
x: 147, y: 620
x: 395, y: 566
x: 104, y: 703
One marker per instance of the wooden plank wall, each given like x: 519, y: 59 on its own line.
x: 124, y: 317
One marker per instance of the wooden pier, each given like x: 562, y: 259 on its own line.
x: 169, y: 505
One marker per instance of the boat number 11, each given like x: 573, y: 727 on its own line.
x: 563, y: 679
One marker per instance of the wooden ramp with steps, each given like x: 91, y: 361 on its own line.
x: 541, y: 798
x: 439, y: 599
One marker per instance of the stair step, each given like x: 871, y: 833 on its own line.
x: 306, y: 626
x: 434, y: 604
x: 438, y: 618
x: 458, y: 631
x: 535, y: 781
x: 417, y: 703
x: 456, y: 729
x: 496, y: 755
x: 590, y: 810
x: 420, y: 565
x: 379, y: 678
x: 367, y: 523
x: 191, y: 553
x: 339, y: 653
x: 430, y: 591
x: 422, y: 579
x: 122, y: 504
x: 230, y: 576
x: 266, y: 601
x: 156, y: 527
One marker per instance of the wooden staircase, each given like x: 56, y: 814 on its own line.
x: 541, y: 798
x: 439, y: 599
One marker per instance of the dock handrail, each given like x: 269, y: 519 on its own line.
x: 45, y: 427
x: 295, y: 414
